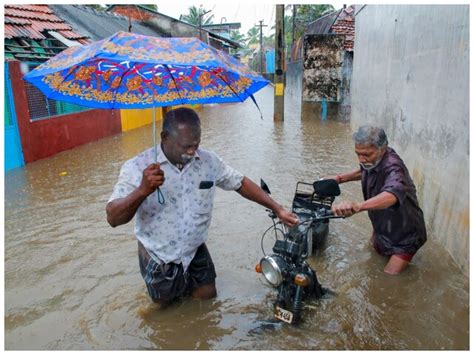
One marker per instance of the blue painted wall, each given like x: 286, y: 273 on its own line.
x: 13, y: 152
x: 270, y: 61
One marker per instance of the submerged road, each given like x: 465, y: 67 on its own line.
x: 72, y: 282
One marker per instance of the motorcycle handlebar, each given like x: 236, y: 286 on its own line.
x: 318, y: 216
x: 326, y: 214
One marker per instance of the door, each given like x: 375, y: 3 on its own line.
x: 13, y: 151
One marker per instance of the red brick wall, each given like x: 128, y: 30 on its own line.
x: 133, y: 12
x: 43, y: 138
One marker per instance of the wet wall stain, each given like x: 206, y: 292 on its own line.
x: 322, y: 67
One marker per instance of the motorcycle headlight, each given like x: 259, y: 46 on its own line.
x: 272, y: 269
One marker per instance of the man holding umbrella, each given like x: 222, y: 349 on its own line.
x: 130, y: 71
x: 171, y: 231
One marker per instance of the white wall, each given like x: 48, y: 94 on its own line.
x: 411, y: 76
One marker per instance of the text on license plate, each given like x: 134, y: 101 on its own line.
x: 283, y: 314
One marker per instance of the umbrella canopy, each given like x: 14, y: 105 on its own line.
x: 127, y: 71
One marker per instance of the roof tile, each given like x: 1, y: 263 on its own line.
x: 34, y: 8
x: 15, y: 31
x: 31, y: 15
x: 29, y: 21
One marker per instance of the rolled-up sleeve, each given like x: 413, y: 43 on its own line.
x: 395, y: 183
x: 227, y: 177
x: 125, y: 184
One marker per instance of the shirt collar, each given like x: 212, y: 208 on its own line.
x: 382, y: 161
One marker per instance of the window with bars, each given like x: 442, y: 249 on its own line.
x: 41, y: 107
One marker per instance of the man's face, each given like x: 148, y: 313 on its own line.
x: 182, y: 147
x: 368, y: 155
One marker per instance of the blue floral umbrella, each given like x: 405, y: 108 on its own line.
x: 127, y: 70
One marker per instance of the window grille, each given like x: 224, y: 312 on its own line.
x: 41, y: 107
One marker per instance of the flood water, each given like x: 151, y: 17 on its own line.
x: 73, y: 282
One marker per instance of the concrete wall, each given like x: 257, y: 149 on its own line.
x: 322, y: 67
x: 411, y: 76
x: 327, y: 72
x: 294, y: 80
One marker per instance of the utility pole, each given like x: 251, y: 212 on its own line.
x: 261, y: 45
x: 201, y: 14
x: 293, y: 34
x: 279, y: 101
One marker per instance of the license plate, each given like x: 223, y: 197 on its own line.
x: 283, y: 314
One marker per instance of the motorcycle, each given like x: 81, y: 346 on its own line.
x: 286, y: 268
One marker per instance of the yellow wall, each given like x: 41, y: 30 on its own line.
x: 135, y: 118
x: 138, y: 117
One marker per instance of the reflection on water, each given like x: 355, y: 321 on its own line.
x: 72, y: 282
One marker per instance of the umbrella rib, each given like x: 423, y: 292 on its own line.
x: 118, y: 87
x: 175, y: 83
x: 228, y: 84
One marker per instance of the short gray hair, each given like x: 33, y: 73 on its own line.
x: 371, y: 135
x: 181, y: 116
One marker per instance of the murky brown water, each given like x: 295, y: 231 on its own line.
x: 73, y: 282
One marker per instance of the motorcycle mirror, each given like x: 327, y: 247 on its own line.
x: 326, y: 188
x: 264, y: 186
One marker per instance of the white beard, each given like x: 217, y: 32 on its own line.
x: 369, y: 167
x: 186, y: 158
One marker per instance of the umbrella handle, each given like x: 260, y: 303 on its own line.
x: 161, y: 198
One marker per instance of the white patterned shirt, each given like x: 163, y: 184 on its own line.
x: 172, y: 232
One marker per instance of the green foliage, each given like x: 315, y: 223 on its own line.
x: 236, y: 36
x: 253, y: 35
x: 305, y: 14
x: 197, y: 16
x: 151, y: 7
x: 97, y: 7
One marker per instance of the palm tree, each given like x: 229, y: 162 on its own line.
x: 236, y: 36
x: 197, y: 16
x: 253, y: 36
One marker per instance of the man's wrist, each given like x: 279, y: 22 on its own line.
x: 338, y: 178
x: 143, y: 193
x: 277, y: 209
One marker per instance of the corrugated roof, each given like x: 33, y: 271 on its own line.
x: 160, y: 16
x: 99, y: 24
x: 323, y: 24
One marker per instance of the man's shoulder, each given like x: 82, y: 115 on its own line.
x: 143, y: 158
x: 207, y: 155
x: 393, y: 157
x: 393, y: 163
